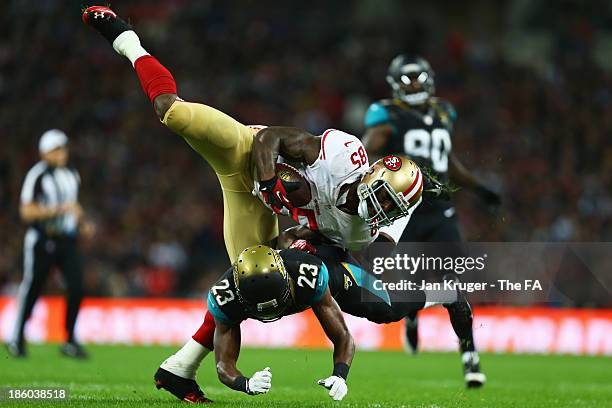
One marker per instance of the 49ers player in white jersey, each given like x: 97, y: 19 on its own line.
x: 353, y: 203
x: 347, y: 208
x: 342, y: 161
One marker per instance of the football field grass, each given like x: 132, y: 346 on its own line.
x: 122, y: 376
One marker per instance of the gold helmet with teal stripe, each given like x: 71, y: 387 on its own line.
x: 262, y: 283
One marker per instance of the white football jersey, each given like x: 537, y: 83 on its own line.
x: 342, y: 160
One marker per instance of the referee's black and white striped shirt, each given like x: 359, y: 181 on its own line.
x: 51, y: 187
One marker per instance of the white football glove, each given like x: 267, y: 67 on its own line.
x: 260, y: 382
x: 336, y: 386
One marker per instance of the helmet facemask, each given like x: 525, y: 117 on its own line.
x: 390, y: 189
x: 373, y: 198
x: 268, y: 311
x: 411, y: 80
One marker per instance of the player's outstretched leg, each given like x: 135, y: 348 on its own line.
x: 460, y: 313
x: 16, y: 349
x: 411, y: 333
x: 177, y: 373
x: 222, y: 141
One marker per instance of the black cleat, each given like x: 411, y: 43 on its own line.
x: 16, y: 349
x: 74, y: 350
x: 105, y: 21
x: 182, y: 388
x: 472, y: 375
x: 411, y: 334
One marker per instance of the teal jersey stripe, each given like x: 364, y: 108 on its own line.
x: 322, y: 282
x: 216, y: 311
x: 366, y: 281
x: 376, y: 115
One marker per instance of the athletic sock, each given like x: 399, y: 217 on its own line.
x: 154, y: 77
x: 470, y: 357
x: 128, y: 45
x: 206, y: 333
x: 186, y: 361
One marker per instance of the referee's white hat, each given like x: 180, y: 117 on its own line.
x: 52, y: 139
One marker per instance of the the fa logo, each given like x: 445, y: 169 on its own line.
x: 393, y: 163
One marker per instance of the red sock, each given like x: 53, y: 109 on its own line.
x: 154, y: 77
x: 206, y: 332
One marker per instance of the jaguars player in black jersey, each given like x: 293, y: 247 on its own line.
x: 358, y: 292
x: 416, y: 123
x: 266, y: 284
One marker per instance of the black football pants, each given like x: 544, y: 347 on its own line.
x: 40, y: 255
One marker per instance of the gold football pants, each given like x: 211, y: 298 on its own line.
x: 226, y: 145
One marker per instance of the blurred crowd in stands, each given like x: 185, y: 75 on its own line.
x: 527, y: 79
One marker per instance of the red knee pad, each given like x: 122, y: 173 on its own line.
x: 154, y: 77
x: 206, y: 333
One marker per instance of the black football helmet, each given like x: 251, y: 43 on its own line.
x: 411, y: 79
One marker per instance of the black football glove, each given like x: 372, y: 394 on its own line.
x: 433, y: 189
x: 274, y: 193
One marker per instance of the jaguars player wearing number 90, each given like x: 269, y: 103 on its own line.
x: 419, y: 125
x: 265, y: 284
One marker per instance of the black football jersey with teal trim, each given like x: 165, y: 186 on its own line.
x: 308, y: 275
x: 424, y: 137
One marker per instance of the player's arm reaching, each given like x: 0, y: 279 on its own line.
x: 292, y: 143
x: 227, y: 350
x: 301, y: 238
x: 375, y: 139
x: 378, y: 130
x: 463, y: 177
x: 329, y: 315
x: 266, y: 285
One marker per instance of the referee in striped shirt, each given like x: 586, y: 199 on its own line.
x: 50, y: 208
